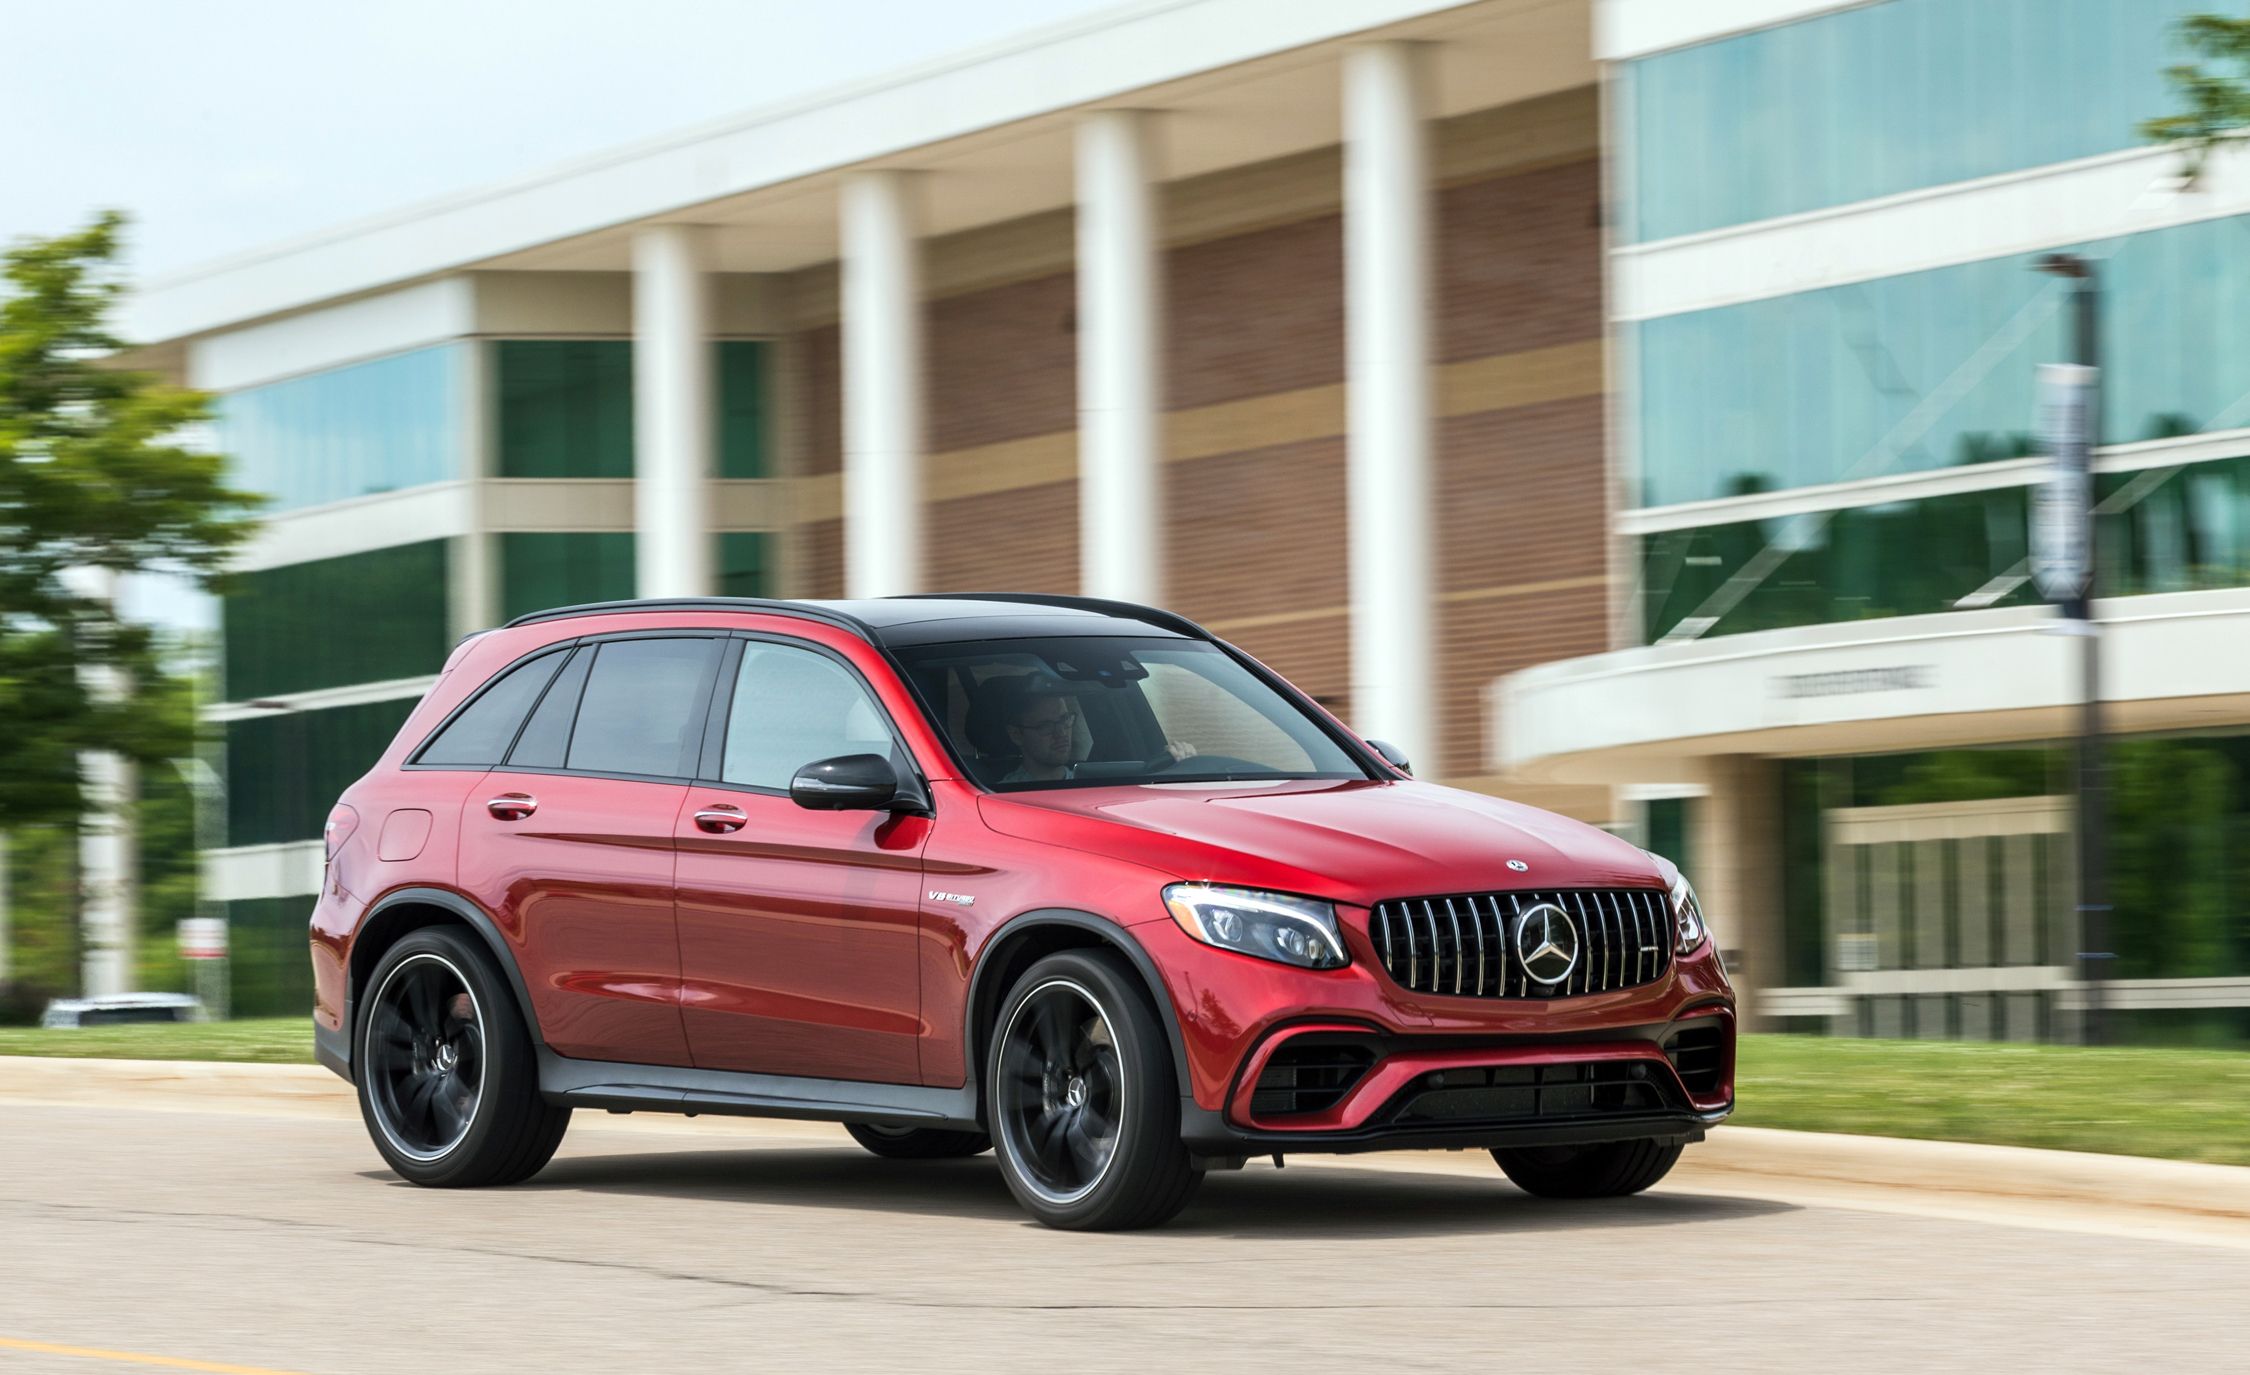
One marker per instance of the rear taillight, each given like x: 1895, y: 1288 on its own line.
x: 342, y: 821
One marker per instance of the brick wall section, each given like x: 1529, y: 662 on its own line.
x: 1260, y: 535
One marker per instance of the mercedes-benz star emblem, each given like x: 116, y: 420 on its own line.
x: 1518, y: 865
x: 1546, y: 943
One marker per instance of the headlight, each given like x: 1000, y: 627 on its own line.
x: 1271, y: 926
x: 1687, y: 916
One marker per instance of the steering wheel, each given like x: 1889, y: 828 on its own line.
x: 1225, y: 763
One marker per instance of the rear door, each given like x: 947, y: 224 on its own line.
x: 798, y: 928
x: 569, y: 842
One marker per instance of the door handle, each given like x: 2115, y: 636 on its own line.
x: 720, y: 817
x: 512, y: 806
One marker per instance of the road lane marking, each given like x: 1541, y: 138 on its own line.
x: 89, y: 1353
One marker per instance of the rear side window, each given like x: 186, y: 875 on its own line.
x: 642, y: 708
x: 478, y: 737
x: 545, y: 741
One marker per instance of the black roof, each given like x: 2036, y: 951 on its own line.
x: 926, y: 619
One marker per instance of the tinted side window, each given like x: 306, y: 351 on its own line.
x: 478, y: 737
x: 793, y: 707
x: 642, y: 710
x: 546, y: 736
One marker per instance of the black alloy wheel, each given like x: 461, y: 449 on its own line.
x: 425, y: 1056
x: 1082, y: 1098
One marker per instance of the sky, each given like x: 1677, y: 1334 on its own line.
x: 223, y: 125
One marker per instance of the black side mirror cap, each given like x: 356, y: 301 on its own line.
x: 848, y: 782
x: 1392, y: 756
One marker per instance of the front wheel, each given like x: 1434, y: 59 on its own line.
x: 448, y: 1081
x: 1082, y: 1101
x: 1610, y: 1169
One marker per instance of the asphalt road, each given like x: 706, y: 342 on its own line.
x: 237, y: 1242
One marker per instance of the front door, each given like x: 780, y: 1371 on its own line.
x: 798, y: 927
x: 570, y: 844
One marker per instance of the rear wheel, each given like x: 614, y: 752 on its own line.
x: 1082, y: 1101
x: 917, y: 1143
x: 448, y: 1082
x: 1607, y: 1170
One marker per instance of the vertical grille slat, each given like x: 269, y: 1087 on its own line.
x: 1427, y: 945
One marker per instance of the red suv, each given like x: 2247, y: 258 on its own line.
x: 1066, y: 878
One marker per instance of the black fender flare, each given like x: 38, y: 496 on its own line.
x: 1109, y: 933
x: 472, y: 916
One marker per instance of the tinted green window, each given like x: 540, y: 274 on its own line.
x: 1668, y: 831
x: 538, y: 571
x: 565, y: 407
x: 1879, y: 99
x: 269, y: 966
x: 1901, y: 559
x: 1937, y: 369
x: 286, y: 769
x: 2175, y: 530
x: 742, y: 408
x: 360, y: 618
x: 742, y: 564
x: 372, y: 427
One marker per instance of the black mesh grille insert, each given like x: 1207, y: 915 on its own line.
x: 1531, y: 1093
x: 1699, y: 1052
x: 1310, y: 1074
x: 1468, y: 945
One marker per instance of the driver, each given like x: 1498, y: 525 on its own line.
x: 1042, y: 720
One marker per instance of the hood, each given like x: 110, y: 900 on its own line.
x: 1358, y: 842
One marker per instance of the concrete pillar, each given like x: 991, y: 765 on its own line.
x: 1387, y: 353
x: 1120, y: 368
x: 1737, y: 848
x: 882, y: 386
x: 672, y: 413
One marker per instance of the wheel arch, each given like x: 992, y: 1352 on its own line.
x: 1032, y: 936
x: 396, y: 916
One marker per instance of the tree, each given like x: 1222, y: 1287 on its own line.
x: 96, y: 473
x: 2217, y: 97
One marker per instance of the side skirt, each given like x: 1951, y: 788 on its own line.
x: 666, y: 1088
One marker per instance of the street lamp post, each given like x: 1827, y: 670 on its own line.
x: 2073, y: 399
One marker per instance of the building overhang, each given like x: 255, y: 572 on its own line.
x: 1238, y: 82
x: 2170, y: 662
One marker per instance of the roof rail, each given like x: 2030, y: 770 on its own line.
x: 762, y: 605
x: 1153, y: 615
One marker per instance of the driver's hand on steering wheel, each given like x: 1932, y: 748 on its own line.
x: 1179, y: 751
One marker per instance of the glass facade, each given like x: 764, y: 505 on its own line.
x: 538, y: 571
x: 355, y: 431
x: 1799, y: 390
x: 285, y: 770
x: 269, y: 973
x: 565, y: 407
x: 1879, y: 99
x: 741, y: 385
x: 281, y: 624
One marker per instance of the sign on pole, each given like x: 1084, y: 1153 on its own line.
x: 2061, y: 508
x: 203, y: 938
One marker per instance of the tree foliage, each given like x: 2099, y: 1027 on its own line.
x: 96, y: 473
x: 2215, y: 91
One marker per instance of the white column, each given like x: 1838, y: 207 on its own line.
x: 882, y: 386
x: 672, y: 413
x: 1120, y: 369
x: 1387, y: 350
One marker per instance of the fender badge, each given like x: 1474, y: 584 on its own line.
x: 960, y: 899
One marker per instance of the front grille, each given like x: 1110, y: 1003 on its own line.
x: 1530, y: 1093
x: 1310, y: 1074
x: 1464, y: 945
x: 1699, y: 1052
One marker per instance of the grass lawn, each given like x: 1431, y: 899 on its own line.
x: 262, y: 1040
x: 2182, y: 1104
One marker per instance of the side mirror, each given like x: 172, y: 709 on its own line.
x: 849, y: 782
x: 1392, y: 756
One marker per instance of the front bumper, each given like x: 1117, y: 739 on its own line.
x: 1651, y: 1062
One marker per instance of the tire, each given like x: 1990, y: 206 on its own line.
x: 918, y: 1143
x: 1081, y: 1099
x: 448, y: 1082
x: 1610, y: 1169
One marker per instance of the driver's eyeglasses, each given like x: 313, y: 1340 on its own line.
x: 1057, y: 720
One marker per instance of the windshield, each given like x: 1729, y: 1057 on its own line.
x: 1084, y: 712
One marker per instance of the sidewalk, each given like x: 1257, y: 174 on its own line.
x: 2012, y: 1181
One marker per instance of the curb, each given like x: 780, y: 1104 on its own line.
x: 1739, y: 1157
